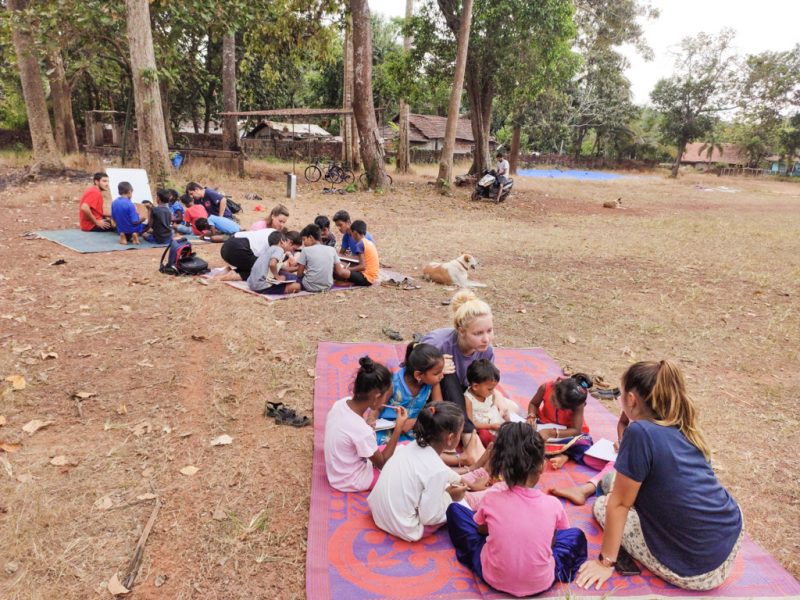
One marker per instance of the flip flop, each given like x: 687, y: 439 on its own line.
x: 271, y: 409
x: 392, y: 334
x: 293, y: 420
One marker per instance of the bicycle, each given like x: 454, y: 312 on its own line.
x: 364, y: 181
x: 313, y: 173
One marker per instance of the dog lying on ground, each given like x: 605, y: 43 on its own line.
x: 454, y: 272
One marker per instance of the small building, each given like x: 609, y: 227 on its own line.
x: 287, y: 131
x: 426, y: 136
x: 697, y: 156
x: 783, y: 165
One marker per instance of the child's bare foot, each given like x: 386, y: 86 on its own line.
x: 558, y: 461
x: 578, y: 494
x: 135, y: 238
x: 122, y: 239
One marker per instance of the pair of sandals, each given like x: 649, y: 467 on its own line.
x: 284, y: 415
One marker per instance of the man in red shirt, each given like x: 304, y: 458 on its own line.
x: 91, y: 214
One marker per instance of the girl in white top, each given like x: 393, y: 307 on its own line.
x: 352, y: 457
x: 486, y: 407
x: 415, y: 488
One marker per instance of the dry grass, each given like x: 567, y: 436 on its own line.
x: 701, y: 277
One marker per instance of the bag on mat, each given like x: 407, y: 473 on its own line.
x: 180, y: 259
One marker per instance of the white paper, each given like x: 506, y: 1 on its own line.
x: 382, y: 424
x: 515, y: 417
x: 602, y: 449
x: 540, y: 426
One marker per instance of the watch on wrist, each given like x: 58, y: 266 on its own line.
x: 606, y: 562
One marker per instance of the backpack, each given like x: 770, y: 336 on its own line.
x: 233, y: 206
x: 181, y: 260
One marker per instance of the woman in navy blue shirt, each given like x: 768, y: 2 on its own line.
x: 666, y: 506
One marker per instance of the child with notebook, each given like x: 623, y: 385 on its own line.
x: 324, y: 224
x: 265, y: 274
x: 368, y: 269
x: 342, y: 221
x: 352, y: 456
x: 415, y: 488
x: 519, y: 540
x: 316, y: 264
x: 414, y: 384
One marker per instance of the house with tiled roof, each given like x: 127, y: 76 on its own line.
x: 697, y: 155
x: 426, y: 134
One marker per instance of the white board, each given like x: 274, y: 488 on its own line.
x: 136, y: 177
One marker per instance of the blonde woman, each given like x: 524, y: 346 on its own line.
x: 666, y: 506
x: 469, y: 339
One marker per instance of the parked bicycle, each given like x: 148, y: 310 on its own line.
x: 334, y: 172
x: 364, y: 181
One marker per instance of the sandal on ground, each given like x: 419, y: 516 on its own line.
x: 294, y: 420
x: 608, y: 394
x: 271, y: 408
x: 392, y: 334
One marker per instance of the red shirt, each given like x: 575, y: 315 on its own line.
x: 94, y: 198
x: 194, y: 212
x: 548, y: 413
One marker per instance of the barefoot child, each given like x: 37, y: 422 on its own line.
x: 415, y: 488
x: 266, y: 275
x: 160, y: 220
x: 561, y: 402
x: 413, y: 385
x: 491, y: 541
x: 367, y: 270
x: 123, y: 212
x: 484, y: 407
x: 352, y: 457
x: 316, y: 264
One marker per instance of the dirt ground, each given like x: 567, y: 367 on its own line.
x: 707, y: 278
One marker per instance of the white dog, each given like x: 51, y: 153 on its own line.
x: 454, y: 272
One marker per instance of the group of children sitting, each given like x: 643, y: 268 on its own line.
x: 413, y: 492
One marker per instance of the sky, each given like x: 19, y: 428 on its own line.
x: 772, y: 26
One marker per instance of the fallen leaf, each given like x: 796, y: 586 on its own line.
x: 125, y: 308
x: 202, y: 281
x: 223, y: 440
x: 190, y: 470
x: 17, y: 382
x: 11, y: 567
x: 166, y: 429
x: 122, y: 409
x: 6, y: 465
x: 280, y: 323
x: 9, y: 447
x: 59, y: 461
x: 83, y: 395
x: 148, y: 496
x: 219, y: 515
x: 522, y: 311
x: 185, y: 434
x: 2, y: 420
x: 571, y: 339
x: 199, y: 338
x: 142, y: 428
x: 362, y: 316
x: 32, y: 427
x: 49, y: 355
x: 116, y: 588
x: 160, y: 580
x: 311, y: 372
x: 145, y: 364
x: 103, y: 503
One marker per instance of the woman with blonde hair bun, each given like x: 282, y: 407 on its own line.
x: 469, y: 339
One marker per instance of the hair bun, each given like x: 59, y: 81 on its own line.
x: 460, y: 298
x: 367, y: 364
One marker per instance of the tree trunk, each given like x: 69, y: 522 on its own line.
x: 363, y: 108
x: 153, y: 151
x: 45, y: 152
x: 515, y: 135
x: 349, y: 79
x: 445, y: 177
x: 166, y: 109
x: 480, y: 95
x: 61, y: 92
x: 230, y: 133
x: 676, y: 165
x: 403, y: 142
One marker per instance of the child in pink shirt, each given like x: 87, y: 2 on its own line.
x: 352, y: 457
x: 519, y: 541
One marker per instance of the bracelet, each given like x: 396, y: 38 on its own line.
x: 606, y: 562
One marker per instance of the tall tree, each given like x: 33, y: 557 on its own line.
x: 153, y: 151
x: 45, y: 153
x: 371, y: 145
x: 403, y: 142
x: 230, y: 129
x: 445, y: 177
x: 702, y: 85
x: 61, y: 95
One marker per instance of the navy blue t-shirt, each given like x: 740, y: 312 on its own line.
x: 689, y: 521
x: 211, y: 200
x: 348, y: 243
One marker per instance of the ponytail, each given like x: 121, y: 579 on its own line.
x: 371, y: 376
x: 662, y: 386
x: 435, y: 421
x: 421, y: 357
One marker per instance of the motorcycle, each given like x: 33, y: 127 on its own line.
x: 487, y: 187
